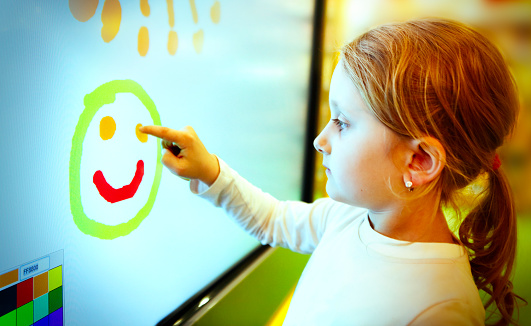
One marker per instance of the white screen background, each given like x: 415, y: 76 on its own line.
x: 245, y: 94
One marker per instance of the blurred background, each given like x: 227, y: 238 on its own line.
x: 507, y: 23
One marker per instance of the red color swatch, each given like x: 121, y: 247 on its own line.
x: 24, y: 292
x: 113, y: 195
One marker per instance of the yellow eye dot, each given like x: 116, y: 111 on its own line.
x: 140, y: 135
x: 107, y: 128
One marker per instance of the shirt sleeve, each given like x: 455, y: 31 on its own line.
x: 295, y: 225
x: 451, y: 312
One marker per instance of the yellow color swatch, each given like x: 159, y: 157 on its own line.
x: 55, y: 278
x: 107, y: 128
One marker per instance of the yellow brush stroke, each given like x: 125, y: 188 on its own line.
x: 215, y: 12
x: 194, y: 11
x: 198, y: 40
x: 143, y: 41
x: 173, y: 42
x: 144, y: 8
x: 171, y: 14
x: 83, y: 10
x: 107, y: 128
x: 140, y: 135
x: 111, y: 17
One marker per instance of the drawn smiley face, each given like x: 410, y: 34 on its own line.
x: 115, y: 170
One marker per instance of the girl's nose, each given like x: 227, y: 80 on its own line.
x: 321, y: 145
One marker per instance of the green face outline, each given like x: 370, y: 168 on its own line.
x: 106, y: 94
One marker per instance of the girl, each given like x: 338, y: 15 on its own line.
x: 418, y: 110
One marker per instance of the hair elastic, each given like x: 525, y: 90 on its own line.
x: 496, y: 163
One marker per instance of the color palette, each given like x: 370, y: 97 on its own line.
x: 32, y: 295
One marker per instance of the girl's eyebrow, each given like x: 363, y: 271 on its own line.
x: 335, y: 107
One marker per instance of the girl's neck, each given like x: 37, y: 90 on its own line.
x: 416, y: 224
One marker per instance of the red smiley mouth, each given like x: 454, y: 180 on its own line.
x: 113, y: 195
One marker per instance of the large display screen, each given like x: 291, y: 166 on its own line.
x: 93, y: 229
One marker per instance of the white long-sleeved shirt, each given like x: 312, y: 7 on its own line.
x: 355, y: 276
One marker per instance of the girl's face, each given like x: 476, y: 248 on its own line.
x: 357, y: 149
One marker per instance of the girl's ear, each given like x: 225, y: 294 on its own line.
x: 425, y: 160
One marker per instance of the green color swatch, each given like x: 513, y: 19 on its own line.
x: 25, y: 315
x: 9, y: 319
x: 55, y: 299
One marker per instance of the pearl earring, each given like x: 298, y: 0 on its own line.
x: 409, y: 185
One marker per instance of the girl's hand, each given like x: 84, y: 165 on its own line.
x: 193, y: 161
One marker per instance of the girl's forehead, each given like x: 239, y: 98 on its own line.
x: 344, y: 95
x: 340, y: 85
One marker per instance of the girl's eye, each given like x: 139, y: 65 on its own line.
x: 340, y: 124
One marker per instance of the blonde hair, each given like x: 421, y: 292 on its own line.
x: 440, y: 78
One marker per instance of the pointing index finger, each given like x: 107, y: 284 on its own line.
x: 170, y: 138
x: 162, y: 132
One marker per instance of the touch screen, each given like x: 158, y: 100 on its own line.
x: 87, y: 207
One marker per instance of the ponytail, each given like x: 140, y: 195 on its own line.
x: 443, y: 79
x: 489, y: 233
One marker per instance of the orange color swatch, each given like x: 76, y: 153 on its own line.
x: 40, y: 285
x: 8, y: 278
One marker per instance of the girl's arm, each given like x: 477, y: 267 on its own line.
x: 296, y: 225
x: 292, y: 224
